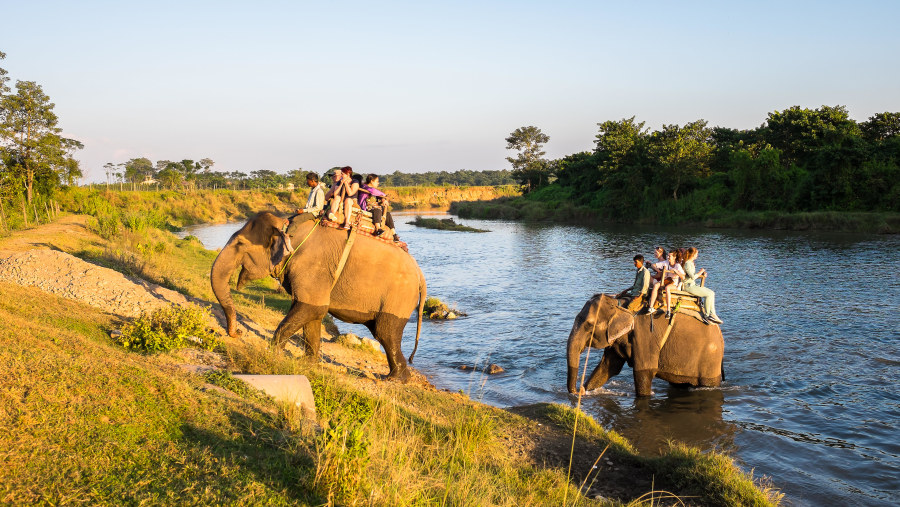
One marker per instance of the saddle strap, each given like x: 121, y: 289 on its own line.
x: 346, y: 253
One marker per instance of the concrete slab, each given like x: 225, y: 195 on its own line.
x: 285, y: 388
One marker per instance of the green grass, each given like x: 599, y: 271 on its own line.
x: 86, y: 422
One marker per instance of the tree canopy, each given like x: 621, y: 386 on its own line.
x: 798, y: 160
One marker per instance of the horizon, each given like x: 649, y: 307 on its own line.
x: 416, y: 88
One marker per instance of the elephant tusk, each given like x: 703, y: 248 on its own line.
x: 287, y: 244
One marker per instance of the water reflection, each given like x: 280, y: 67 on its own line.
x: 692, y: 416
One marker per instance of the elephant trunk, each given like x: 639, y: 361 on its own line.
x: 224, y: 265
x: 575, y: 347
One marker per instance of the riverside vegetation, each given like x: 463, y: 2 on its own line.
x: 443, y: 224
x: 84, y: 420
x: 801, y: 169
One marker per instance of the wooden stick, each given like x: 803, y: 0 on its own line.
x: 47, y: 210
x: 3, y: 216
x: 24, y: 212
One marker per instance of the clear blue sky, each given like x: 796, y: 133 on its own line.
x: 416, y: 86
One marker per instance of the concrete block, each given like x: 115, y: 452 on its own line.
x: 287, y: 389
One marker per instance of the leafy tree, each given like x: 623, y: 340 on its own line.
x: 206, y: 164
x: 881, y: 127
x: 171, y: 177
x: 3, y: 78
x: 138, y: 169
x: 29, y: 131
x: 799, y: 133
x: 683, y: 154
x: 529, y: 167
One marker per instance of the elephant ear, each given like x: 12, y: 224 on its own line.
x: 280, y: 248
x: 619, y: 325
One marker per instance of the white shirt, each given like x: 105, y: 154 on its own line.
x: 316, y: 200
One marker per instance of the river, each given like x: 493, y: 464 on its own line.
x: 811, y: 345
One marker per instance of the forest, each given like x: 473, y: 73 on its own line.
x: 798, y: 160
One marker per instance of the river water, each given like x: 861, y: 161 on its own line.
x: 812, y: 350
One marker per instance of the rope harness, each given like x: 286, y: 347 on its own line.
x: 315, y: 224
x: 346, y: 253
x: 351, y: 238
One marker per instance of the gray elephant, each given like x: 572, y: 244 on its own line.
x: 379, y: 287
x: 692, y: 354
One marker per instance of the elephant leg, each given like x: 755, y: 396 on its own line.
x: 388, y: 331
x: 642, y: 382
x: 301, y: 315
x: 243, y: 278
x: 610, y: 366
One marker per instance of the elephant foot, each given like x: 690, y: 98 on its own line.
x: 401, y: 376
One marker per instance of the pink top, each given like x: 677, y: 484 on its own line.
x: 363, y: 196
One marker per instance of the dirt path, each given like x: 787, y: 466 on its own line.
x: 68, y: 276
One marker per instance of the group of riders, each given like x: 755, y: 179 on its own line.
x: 672, y: 270
x: 349, y: 191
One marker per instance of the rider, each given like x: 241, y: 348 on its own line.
x: 641, y: 281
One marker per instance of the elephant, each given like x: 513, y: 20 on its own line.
x: 379, y: 286
x: 692, y: 354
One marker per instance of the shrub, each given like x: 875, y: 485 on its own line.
x: 432, y: 305
x: 169, y: 328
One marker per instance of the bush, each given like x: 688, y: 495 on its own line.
x: 169, y: 328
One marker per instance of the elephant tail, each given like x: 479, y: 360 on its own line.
x: 423, y: 292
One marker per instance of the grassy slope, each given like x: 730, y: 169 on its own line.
x: 83, y: 421
x: 86, y: 422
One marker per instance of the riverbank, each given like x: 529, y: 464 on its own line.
x: 142, y: 427
x: 175, y: 209
x: 534, y: 210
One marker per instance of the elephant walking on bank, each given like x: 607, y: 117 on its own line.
x: 692, y: 354
x: 379, y: 287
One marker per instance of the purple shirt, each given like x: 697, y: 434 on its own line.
x: 363, y: 197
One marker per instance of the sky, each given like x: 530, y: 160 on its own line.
x: 429, y: 86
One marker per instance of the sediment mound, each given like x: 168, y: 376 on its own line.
x: 72, y: 278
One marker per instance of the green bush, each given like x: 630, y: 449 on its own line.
x: 169, y: 328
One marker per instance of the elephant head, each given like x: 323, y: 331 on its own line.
x: 599, y: 324
x: 259, y: 247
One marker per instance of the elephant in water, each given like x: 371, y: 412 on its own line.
x: 379, y: 287
x: 692, y: 354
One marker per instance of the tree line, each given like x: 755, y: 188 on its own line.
x: 799, y: 159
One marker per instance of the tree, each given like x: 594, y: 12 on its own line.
x: 882, y: 126
x: 206, y: 164
x: 3, y: 79
x: 171, y: 177
x: 529, y: 167
x: 31, y: 137
x: 799, y: 133
x: 683, y: 153
x: 138, y: 169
